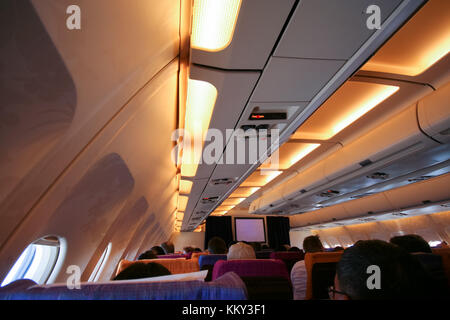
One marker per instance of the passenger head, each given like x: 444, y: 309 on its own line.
x: 400, y: 275
x: 412, y: 243
x: 295, y: 249
x: 256, y: 246
x: 142, y: 270
x: 157, y: 250
x: 197, y: 250
x: 264, y: 247
x: 187, y: 250
x: 338, y: 248
x: 241, y: 250
x: 280, y: 248
x: 217, y: 245
x: 168, y: 247
x: 147, y: 255
x: 312, y: 244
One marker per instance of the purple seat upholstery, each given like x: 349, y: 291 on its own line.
x: 210, y: 259
x: 251, y: 268
x: 228, y: 287
x: 288, y: 257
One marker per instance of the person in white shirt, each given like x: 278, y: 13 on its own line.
x: 298, y: 272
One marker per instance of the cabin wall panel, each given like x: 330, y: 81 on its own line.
x: 145, y: 168
x: 115, y: 53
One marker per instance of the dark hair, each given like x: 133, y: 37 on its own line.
x: 157, y: 250
x: 256, y: 246
x: 264, y: 247
x: 312, y: 244
x: 143, y: 270
x: 412, y: 243
x: 147, y: 255
x: 401, y: 276
x: 168, y: 247
x: 294, y: 249
x: 338, y: 248
x: 217, y: 245
x: 197, y: 250
x: 188, y: 249
x: 280, y: 248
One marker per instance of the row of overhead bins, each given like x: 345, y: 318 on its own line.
x: 388, y: 150
x: 283, y: 57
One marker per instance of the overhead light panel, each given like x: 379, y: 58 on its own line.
x: 289, y: 154
x: 213, y: 23
x: 419, y: 44
x: 260, y: 178
x: 244, y: 192
x: 182, y: 203
x: 345, y: 106
x: 232, y: 201
x: 201, y: 98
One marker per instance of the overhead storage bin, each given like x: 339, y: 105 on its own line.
x: 434, y: 114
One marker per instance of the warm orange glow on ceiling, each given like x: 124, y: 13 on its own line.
x: 345, y: 106
x: 213, y: 23
x: 219, y: 213
x: 244, y: 192
x: 185, y: 186
x: 224, y: 208
x: 290, y: 153
x: 182, y: 203
x: 201, y: 98
x: 260, y: 178
x: 232, y: 201
x: 419, y: 44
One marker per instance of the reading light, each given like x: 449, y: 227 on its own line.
x: 182, y: 203
x: 423, y: 41
x: 201, y: 97
x: 213, y: 23
x: 185, y: 186
x: 345, y: 106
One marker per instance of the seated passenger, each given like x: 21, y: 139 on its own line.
x: 241, y: 250
x: 411, y: 243
x: 298, y: 273
x: 168, y: 247
x: 147, y: 255
x: 400, y: 275
x: 294, y: 249
x: 198, y: 250
x: 187, y: 250
x: 143, y: 270
x: 157, y: 250
x: 217, y: 245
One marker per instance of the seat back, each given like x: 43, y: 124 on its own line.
x: 445, y: 255
x: 325, y: 272
x: 288, y: 257
x: 175, y: 266
x: 251, y: 268
x: 228, y: 287
x: 210, y: 259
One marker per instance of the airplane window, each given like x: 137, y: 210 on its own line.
x: 100, y: 264
x: 36, y: 262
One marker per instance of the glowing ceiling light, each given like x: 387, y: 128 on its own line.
x: 213, y: 23
x: 182, y: 203
x: 179, y: 216
x: 423, y: 41
x: 244, y: 192
x: 233, y: 201
x: 260, y: 178
x: 224, y: 208
x: 345, y: 106
x: 219, y: 213
x: 201, y: 98
x: 185, y: 186
x: 289, y: 154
